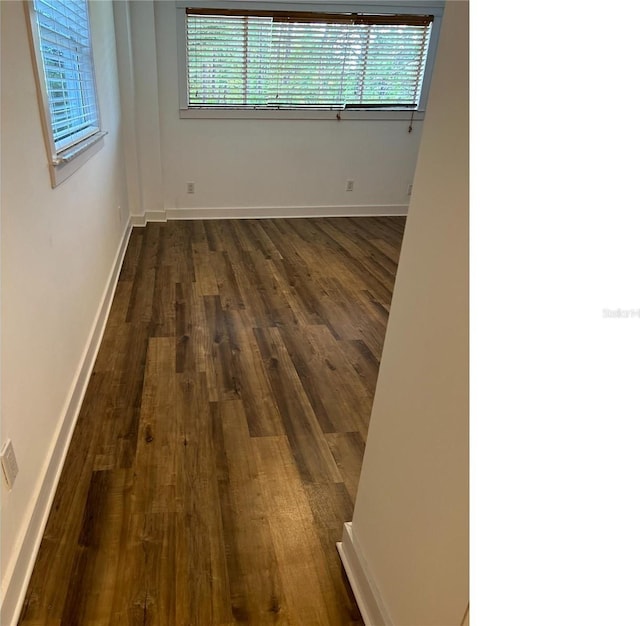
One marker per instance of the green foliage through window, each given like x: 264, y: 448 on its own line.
x: 251, y: 61
x: 67, y: 63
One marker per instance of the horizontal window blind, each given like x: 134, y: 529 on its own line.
x: 65, y: 48
x: 305, y: 60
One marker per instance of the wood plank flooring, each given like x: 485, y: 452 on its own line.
x: 218, y: 449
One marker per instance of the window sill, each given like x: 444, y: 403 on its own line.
x: 299, y: 114
x: 72, y: 159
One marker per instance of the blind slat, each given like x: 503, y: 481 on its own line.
x: 305, y: 16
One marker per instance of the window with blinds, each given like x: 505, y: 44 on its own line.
x: 279, y: 60
x: 62, y: 42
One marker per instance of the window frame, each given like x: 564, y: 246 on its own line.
x: 64, y: 161
x: 426, y: 7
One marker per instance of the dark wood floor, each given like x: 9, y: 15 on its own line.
x: 218, y: 449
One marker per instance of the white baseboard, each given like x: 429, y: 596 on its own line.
x: 265, y: 212
x: 369, y: 600
x: 20, y: 569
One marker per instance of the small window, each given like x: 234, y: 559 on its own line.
x: 61, y: 38
x: 273, y: 60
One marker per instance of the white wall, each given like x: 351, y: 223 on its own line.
x: 58, y: 249
x: 253, y: 163
x: 410, y: 524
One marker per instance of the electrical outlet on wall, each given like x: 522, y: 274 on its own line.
x: 9, y: 463
x: 191, y: 187
x: 349, y: 185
